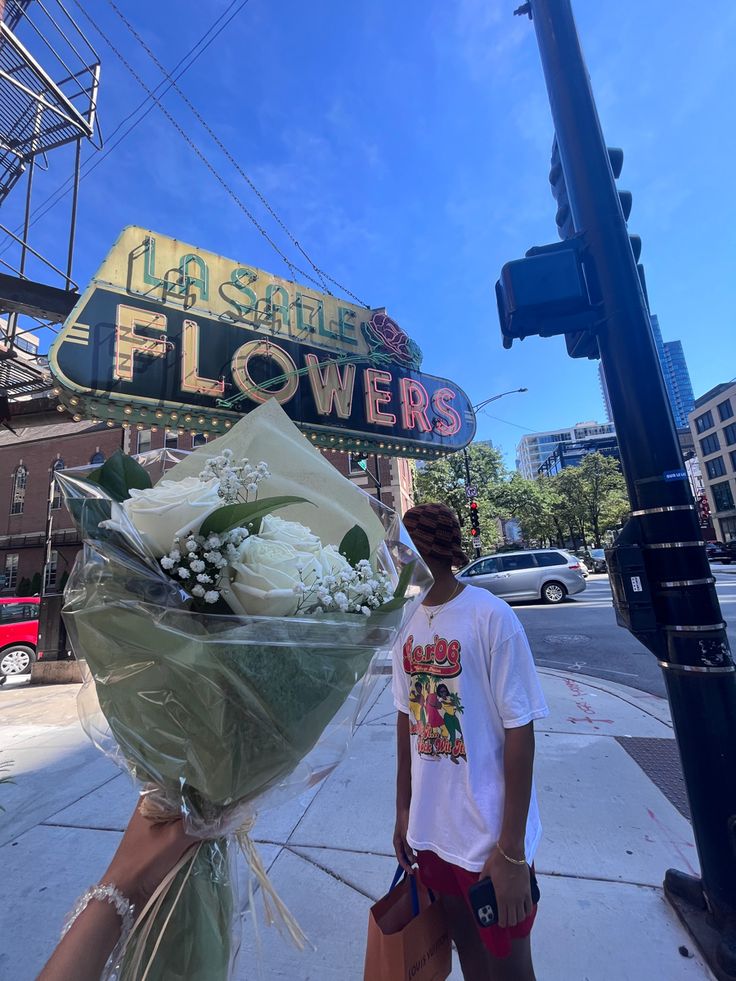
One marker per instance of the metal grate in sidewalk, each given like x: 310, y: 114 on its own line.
x: 660, y: 760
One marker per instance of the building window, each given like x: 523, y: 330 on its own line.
x: 729, y: 434
x: 171, y: 440
x: 732, y: 454
x: 722, y: 496
x: 704, y: 422
x: 144, y: 441
x: 56, y: 489
x: 97, y: 458
x: 728, y: 529
x: 18, y: 495
x: 711, y: 444
x: 715, y: 467
x: 725, y: 410
x: 199, y: 439
x: 49, y: 581
x: 10, y: 579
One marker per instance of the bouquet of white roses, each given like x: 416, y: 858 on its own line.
x: 230, y: 646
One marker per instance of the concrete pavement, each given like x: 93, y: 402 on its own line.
x: 609, y: 834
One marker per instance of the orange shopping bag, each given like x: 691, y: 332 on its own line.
x: 408, y: 939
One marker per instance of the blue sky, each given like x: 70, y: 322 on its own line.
x: 406, y: 145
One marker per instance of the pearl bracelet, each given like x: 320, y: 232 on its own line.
x: 105, y: 893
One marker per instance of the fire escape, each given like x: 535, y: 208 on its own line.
x: 49, y: 78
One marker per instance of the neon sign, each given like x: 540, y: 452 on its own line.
x: 171, y: 336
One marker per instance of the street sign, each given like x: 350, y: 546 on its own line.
x: 471, y: 492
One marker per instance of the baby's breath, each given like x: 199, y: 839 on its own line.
x: 236, y: 481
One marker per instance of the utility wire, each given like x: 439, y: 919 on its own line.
x: 223, y: 20
x: 216, y: 139
x: 293, y: 268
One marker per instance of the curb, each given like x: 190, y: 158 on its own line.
x: 653, y: 705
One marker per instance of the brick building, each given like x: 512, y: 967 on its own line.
x: 46, y: 439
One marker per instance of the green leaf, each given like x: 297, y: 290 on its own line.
x: 355, y: 546
x: 248, y: 515
x: 118, y: 475
x: 87, y: 514
x: 399, y: 597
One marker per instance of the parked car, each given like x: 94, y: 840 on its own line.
x: 583, y: 564
x: 547, y: 573
x: 596, y: 560
x: 720, y: 552
x: 18, y: 634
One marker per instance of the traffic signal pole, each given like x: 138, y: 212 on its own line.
x: 682, y: 623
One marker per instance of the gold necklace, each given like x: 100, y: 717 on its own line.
x: 437, y: 609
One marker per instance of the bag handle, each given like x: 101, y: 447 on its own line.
x: 400, y: 874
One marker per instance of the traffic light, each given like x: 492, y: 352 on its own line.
x: 474, y: 520
x: 554, y: 290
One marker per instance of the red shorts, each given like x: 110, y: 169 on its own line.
x: 439, y: 876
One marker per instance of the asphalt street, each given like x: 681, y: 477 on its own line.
x: 582, y: 635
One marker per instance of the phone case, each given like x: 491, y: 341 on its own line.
x: 483, y: 899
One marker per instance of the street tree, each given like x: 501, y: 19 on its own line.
x: 533, y: 503
x: 593, y: 497
x: 444, y: 480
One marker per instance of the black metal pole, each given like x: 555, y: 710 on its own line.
x: 377, y: 478
x: 73, y: 217
x: 689, y: 639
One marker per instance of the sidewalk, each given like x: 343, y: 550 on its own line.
x: 610, y: 833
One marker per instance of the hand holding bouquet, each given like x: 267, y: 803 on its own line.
x: 226, y: 642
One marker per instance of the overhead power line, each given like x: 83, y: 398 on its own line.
x: 293, y: 268
x: 216, y: 139
x: 95, y: 159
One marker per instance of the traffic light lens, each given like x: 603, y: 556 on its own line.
x: 474, y: 506
x: 474, y: 532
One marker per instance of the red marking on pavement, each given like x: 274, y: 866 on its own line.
x: 677, y: 845
x: 585, y: 707
x: 592, y: 722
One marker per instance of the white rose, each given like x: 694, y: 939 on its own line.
x: 275, y: 529
x: 171, y: 509
x: 265, y: 574
x: 332, y: 562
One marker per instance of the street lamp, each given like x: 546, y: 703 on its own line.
x: 466, y: 457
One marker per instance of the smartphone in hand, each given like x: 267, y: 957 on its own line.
x: 485, y: 905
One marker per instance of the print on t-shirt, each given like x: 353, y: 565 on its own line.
x: 434, y: 701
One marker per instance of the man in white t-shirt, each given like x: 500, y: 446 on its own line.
x: 467, y: 694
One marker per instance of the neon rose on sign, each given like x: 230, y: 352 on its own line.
x: 383, y: 332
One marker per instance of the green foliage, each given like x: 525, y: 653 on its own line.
x: 245, y: 515
x: 35, y: 584
x: 534, y: 504
x: 24, y: 587
x: 355, y: 546
x: 118, y: 475
x: 576, y: 506
x: 399, y: 597
x: 579, y: 505
x: 444, y: 480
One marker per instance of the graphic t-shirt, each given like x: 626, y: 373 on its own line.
x: 462, y: 680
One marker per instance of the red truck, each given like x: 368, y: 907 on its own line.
x: 18, y: 634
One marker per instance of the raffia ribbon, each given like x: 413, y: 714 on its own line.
x: 155, y: 809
